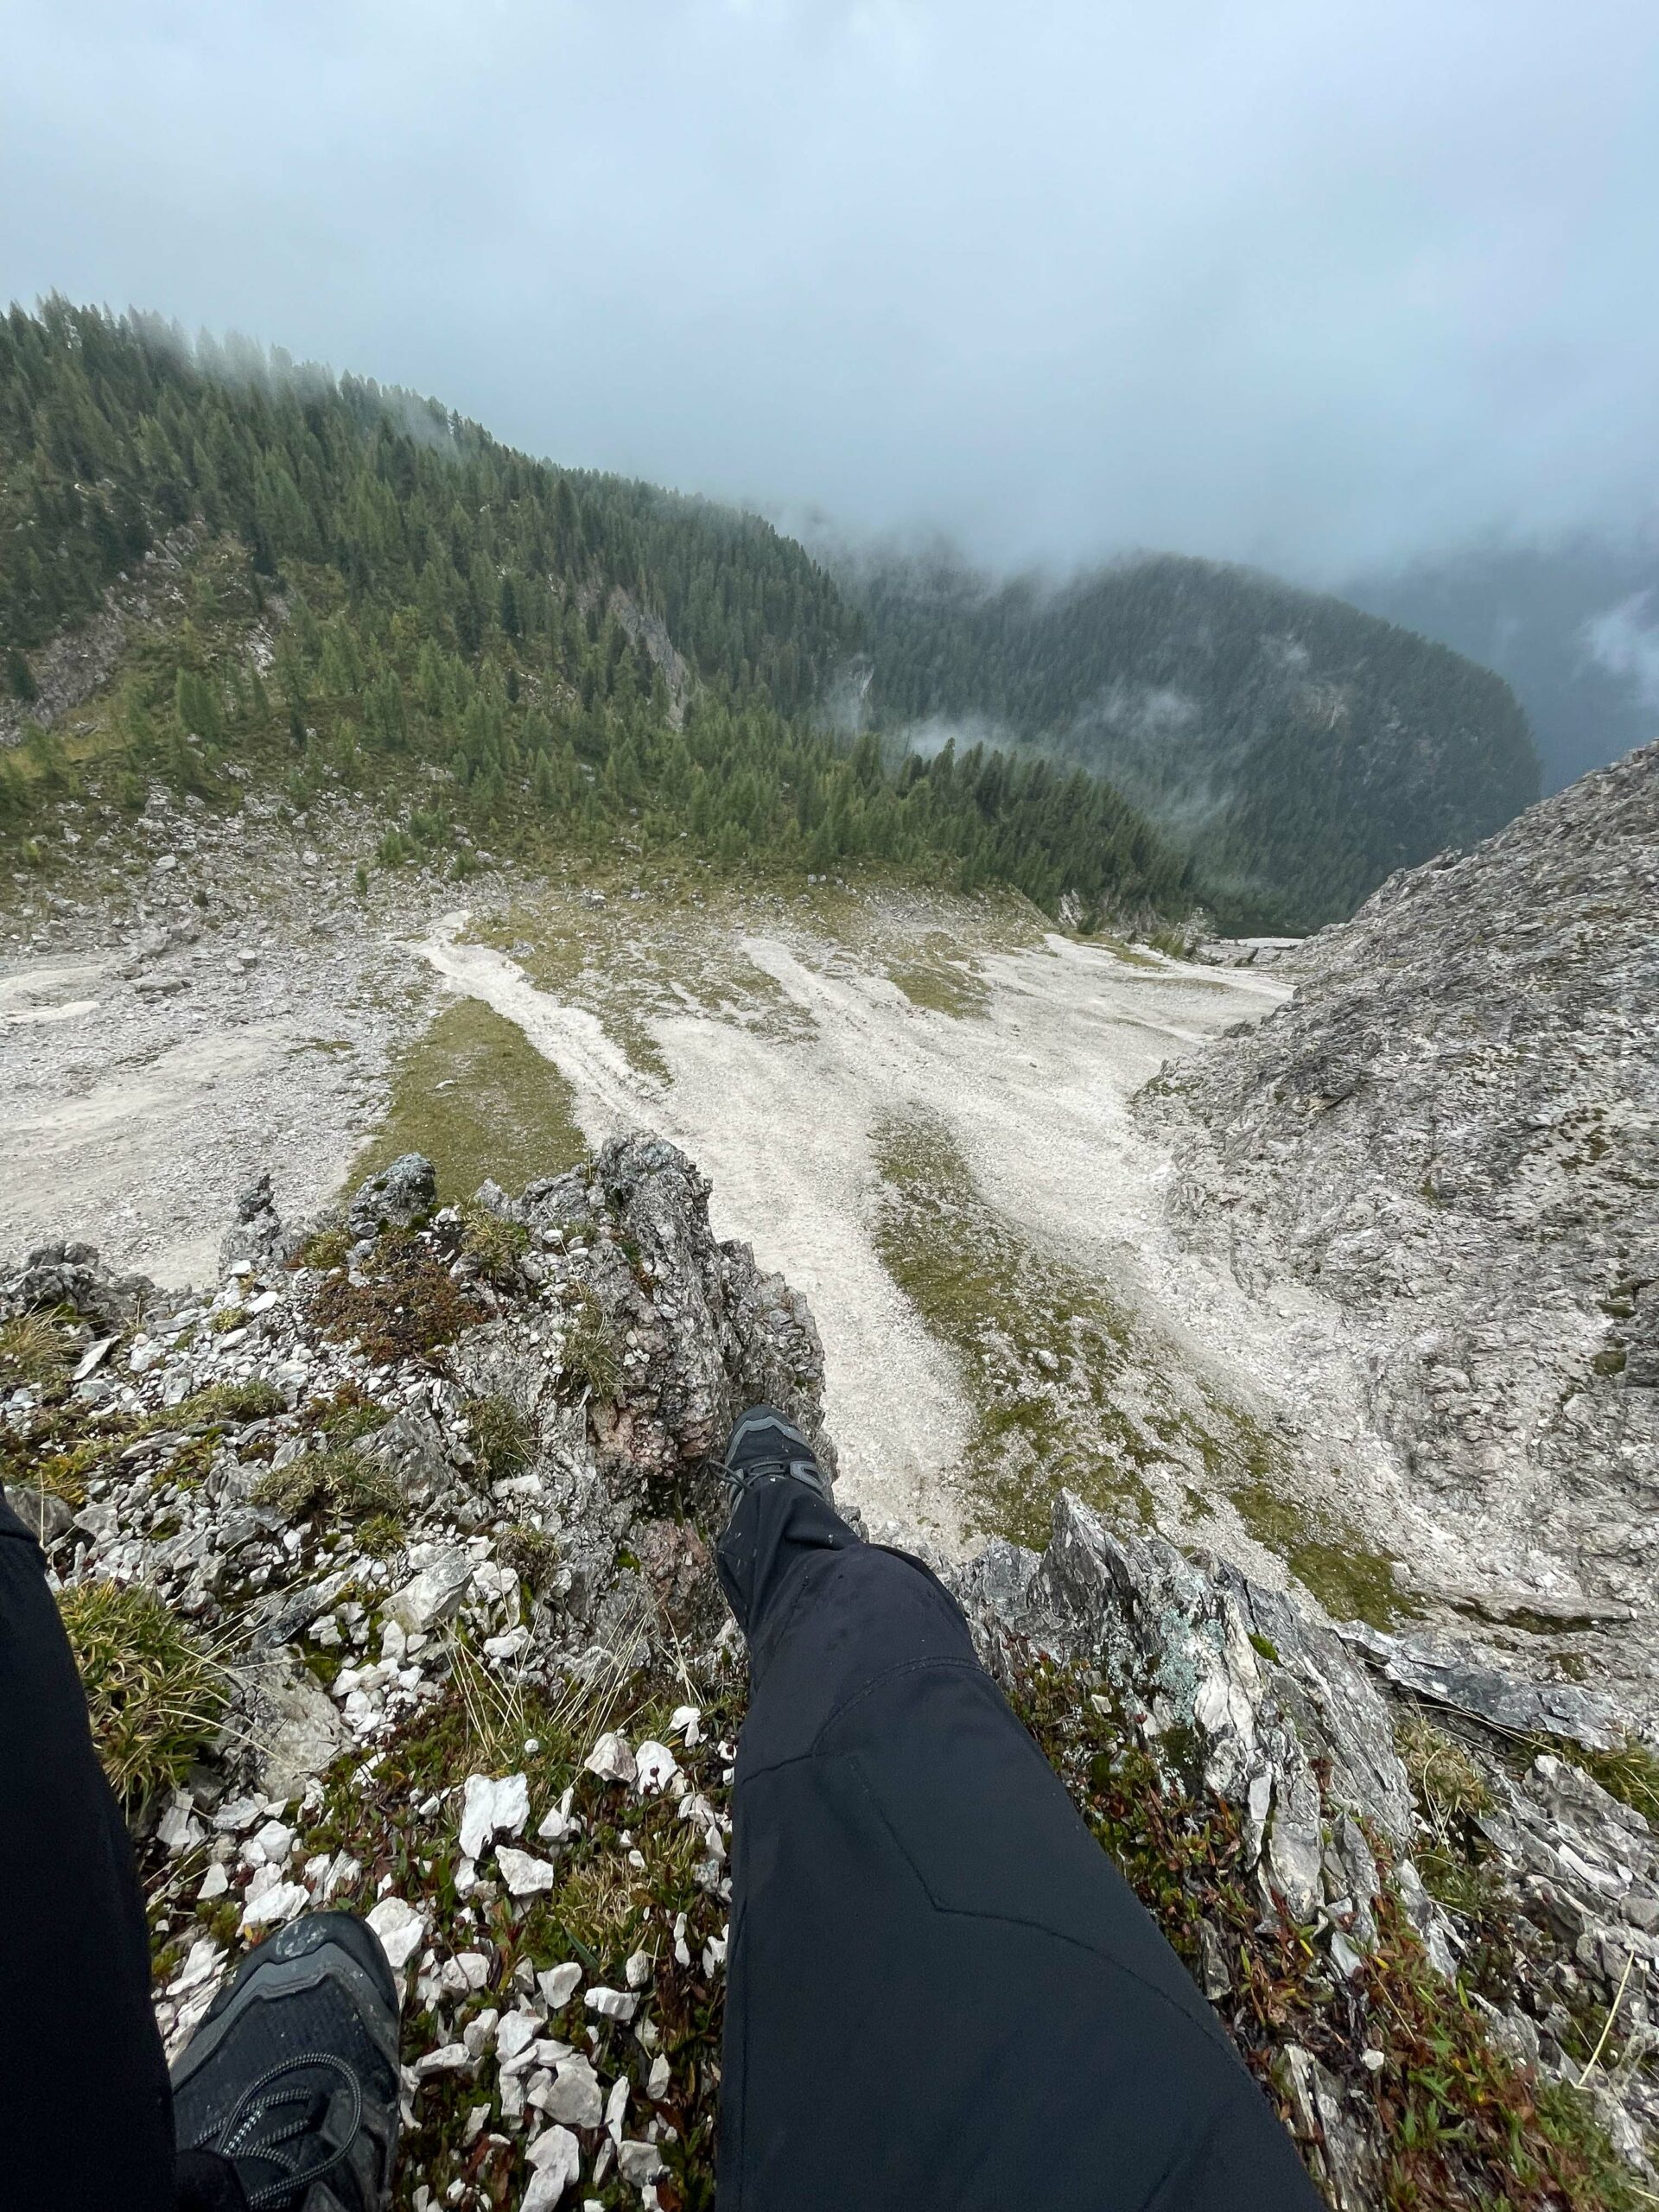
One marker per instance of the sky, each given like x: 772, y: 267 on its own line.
x: 1319, y: 283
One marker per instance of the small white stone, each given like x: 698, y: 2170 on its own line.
x: 201, y: 1964
x: 499, y: 1650
x: 612, y: 2004
x: 178, y: 1827
x: 558, y: 1985
x: 1346, y: 1959
x: 572, y: 2095
x: 641, y: 2164
x: 655, y: 1767
x: 214, y: 1883
x: 686, y: 1722
x: 449, y: 2058
x: 515, y: 2032
x: 560, y: 1821
x: 657, y: 2080
x: 556, y: 2156
x: 524, y: 1876
x: 281, y: 1901
x: 615, y: 2106
x: 639, y: 1969
x: 274, y: 1841
x: 491, y: 1807
x: 610, y: 1759
x: 402, y: 1930
x: 474, y: 2128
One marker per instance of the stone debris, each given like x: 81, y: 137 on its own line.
x: 434, y: 1596
x: 572, y: 2095
x: 612, y: 2004
x: 655, y: 1767
x: 558, y: 1985
x: 525, y: 1875
x: 555, y: 2157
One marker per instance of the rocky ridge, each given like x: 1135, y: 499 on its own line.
x: 1452, y: 1131
x: 430, y: 1488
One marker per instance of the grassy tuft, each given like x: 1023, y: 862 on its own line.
x: 503, y: 1440
x: 587, y: 1354
x: 340, y: 1479
x: 35, y: 1352
x: 495, y: 1243
x: 531, y: 1553
x: 155, y: 1695
x: 329, y: 1248
x: 1631, y: 1773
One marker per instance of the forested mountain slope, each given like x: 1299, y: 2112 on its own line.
x: 1298, y: 749
x: 363, y: 593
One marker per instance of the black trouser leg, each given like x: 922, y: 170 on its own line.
x: 85, y: 2112
x: 941, y: 1993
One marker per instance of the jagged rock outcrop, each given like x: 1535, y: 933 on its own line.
x: 1286, y: 1726
x: 1452, y: 1130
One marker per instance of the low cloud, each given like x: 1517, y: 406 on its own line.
x: 1315, y: 283
x: 1624, y: 641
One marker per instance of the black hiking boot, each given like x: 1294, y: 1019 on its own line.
x: 766, y: 1446
x: 292, y: 2075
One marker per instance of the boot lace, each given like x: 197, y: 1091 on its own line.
x: 270, y: 2123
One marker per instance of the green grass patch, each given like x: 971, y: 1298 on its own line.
x: 496, y: 1243
x: 340, y: 1482
x: 503, y: 1440
x: 479, y: 1100
x: 1327, y: 1556
x: 940, y: 983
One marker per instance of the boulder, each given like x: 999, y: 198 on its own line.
x: 400, y: 1196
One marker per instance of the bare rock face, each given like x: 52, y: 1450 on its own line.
x: 1283, y: 1722
x: 1452, y: 1130
x: 699, y: 1332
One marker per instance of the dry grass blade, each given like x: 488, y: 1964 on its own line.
x: 495, y: 1711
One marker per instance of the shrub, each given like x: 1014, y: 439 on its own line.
x: 155, y: 1694
x: 406, y: 1304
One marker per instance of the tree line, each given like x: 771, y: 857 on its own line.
x: 383, y: 598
